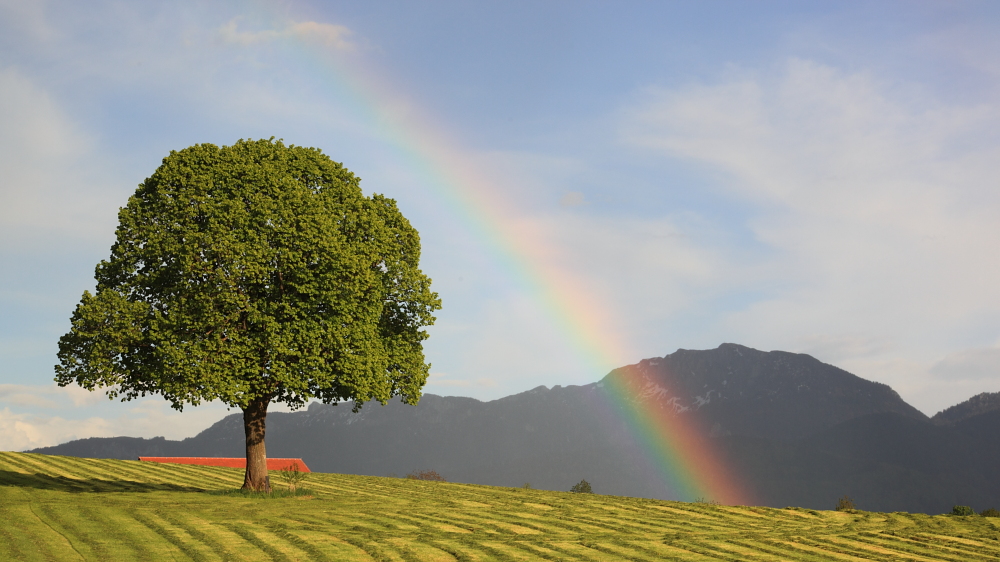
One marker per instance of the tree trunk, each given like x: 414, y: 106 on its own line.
x: 256, y: 478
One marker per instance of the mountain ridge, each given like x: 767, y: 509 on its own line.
x: 794, y: 430
x: 981, y: 403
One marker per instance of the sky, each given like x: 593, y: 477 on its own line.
x: 594, y: 183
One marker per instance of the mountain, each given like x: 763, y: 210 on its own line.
x: 793, y: 430
x: 775, y: 395
x: 978, y: 404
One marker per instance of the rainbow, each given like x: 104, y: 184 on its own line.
x: 687, y: 464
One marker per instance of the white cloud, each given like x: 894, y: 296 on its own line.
x: 879, y: 208
x: 970, y: 364
x: 21, y: 431
x: 46, y: 188
x: 329, y: 35
x: 48, y: 396
x: 28, y: 17
x: 44, y: 415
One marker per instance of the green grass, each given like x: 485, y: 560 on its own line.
x: 63, y: 508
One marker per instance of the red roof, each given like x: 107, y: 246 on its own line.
x: 241, y: 462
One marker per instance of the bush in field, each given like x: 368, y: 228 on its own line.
x: 990, y: 513
x: 845, y: 504
x: 582, y: 487
x: 426, y: 475
x: 293, y: 476
x: 962, y: 510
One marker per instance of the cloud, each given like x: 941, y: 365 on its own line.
x: 48, y: 396
x: 21, y: 431
x: 45, y: 415
x: 329, y: 35
x: 47, y: 186
x: 29, y: 17
x: 875, y: 205
x: 32, y: 418
x: 24, y: 395
x: 970, y: 364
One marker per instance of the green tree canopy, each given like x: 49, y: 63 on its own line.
x: 251, y: 274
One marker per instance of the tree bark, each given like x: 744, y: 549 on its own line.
x: 256, y: 478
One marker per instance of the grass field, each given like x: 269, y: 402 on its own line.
x: 64, y: 508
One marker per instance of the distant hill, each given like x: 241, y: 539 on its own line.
x: 795, y: 430
x: 978, y: 404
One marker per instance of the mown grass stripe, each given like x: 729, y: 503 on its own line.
x: 915, y: 548
x: 114, y: 525
x: 212, y: 542
x: 60, y: 466
x: 177, y: 513
x: 799, y: 544
x: 635, y: 549
x: 85, y: 476
x: 252, y: 537
x: 461, y: 549
x: 819, y: 551
x: 81, y: 540
x: 661, y: 551
x: 932, y: 542
x: 544, y: 551
x: 951, y: 553
x: 28, y: 466
x: 372, y: 549
x: 282, y: 531
x: 16, y: 546
x: 188, y: 548
x: 767, y: 549
x: 144, y: 471
x: 727, y: 549
x: 600, y: 544
x: 471, y: 524
x: 172, y: 475
x: 590, y: 549
x: 52, y: 544
x: 417, y: 549
x: 861, y: 549
x: 501, y: 550
x: 834, y: 552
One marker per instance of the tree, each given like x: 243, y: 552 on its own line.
x: 252, y: 274
x: 582, y: 487
x: 845, y: 504
x: 426, y: 475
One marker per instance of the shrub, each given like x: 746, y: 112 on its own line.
x: 582, y: 487
x: 292, y: 476
x: 426, y: 475
x: 990, y: 513
x: 962, y: 510
x: 845, y: 504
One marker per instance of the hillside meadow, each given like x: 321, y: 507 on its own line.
x: 65, y: 508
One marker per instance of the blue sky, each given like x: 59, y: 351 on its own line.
x: 813, y: 177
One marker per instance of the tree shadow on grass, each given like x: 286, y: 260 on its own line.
x: 91, y: 485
